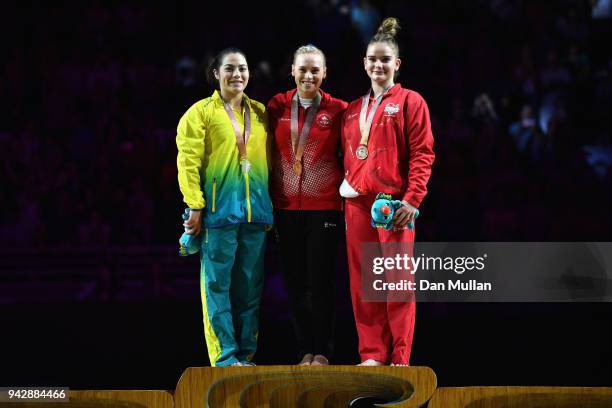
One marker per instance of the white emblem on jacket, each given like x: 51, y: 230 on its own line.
x: 324, y: 120
x: 391, y: 109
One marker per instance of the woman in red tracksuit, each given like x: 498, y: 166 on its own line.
x: 388, y: 148
x: 306, y: 174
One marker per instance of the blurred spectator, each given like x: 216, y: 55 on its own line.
x: 599, y: 158
x: 602, y: 8
x: 483, y: 108
x: 186, y: 72
x: 525, y: 131
x: 366, y: 19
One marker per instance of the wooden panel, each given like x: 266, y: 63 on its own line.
x: 105, y: 399
x: 302, y: 386
x: 521, y: 397
x: 146, y: 398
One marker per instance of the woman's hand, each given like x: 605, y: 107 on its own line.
x: 403, y: 216
x: 194, y: 223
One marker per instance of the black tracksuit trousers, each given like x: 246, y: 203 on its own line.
x: 309, y: 248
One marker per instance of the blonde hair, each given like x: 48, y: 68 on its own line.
x: 386, y: 33
x: 308, y: 49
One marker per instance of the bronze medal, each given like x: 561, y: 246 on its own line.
x: 365, y: 123
x: 297, y: 167
x: 362, y: 152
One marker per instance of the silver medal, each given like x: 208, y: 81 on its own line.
x: 245, y: 166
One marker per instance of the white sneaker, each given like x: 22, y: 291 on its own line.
x: 242, y: 364
x: 371, y: 363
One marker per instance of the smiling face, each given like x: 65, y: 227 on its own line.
x: 381, y: 63
x: 309, y: 71
x: 233, y: 74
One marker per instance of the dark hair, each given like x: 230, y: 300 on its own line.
x: 386, y: 33
x: 215, y: 65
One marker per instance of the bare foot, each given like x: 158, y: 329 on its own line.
x: 306, y: 360
x: 319, y: 360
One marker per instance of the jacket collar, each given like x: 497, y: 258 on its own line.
x: 324, y: 96
x: 219, y: 101
x: 392, y: 91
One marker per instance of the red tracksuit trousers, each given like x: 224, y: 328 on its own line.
x: 385, y: 329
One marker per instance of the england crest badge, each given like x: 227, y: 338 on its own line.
x: 391, y: 109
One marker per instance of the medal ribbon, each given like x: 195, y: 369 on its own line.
x: 241, y: 139
x: 299, y: 142
x: 366, y: 123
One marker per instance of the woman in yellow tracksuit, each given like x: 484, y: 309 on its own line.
x: 223, y: 176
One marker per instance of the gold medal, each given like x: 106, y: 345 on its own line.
x: 298, y: 140
x: 297, y: 167
x: 362, y: 152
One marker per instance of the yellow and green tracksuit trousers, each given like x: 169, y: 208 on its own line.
x: 231, y: 282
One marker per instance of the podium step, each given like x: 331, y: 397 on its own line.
x: 522, y: 397
x: 303, y: 386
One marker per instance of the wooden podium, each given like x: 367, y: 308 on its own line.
x: 302, y: 386
x: 521, y: 397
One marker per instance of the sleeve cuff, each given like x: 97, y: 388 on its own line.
x: 411, y: 199
x: 196, y: 206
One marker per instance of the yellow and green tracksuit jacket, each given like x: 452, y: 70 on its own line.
x: 209, y: 164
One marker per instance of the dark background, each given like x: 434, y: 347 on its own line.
x: 92, y: 293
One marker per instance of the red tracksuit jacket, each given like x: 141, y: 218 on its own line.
x: 317, y: 188
x: 400, y: 147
